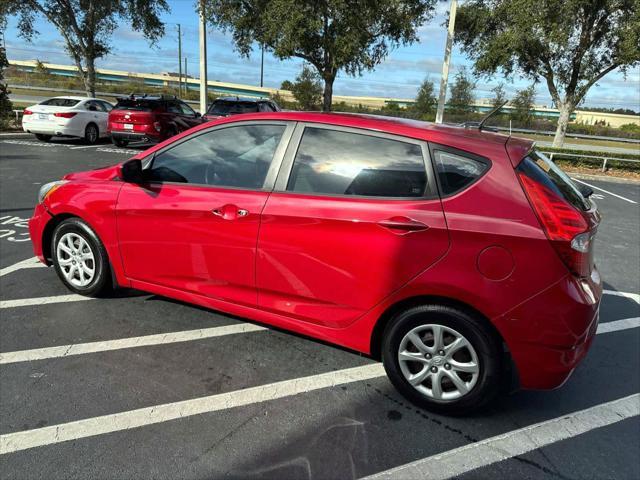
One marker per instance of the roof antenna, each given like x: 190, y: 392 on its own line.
x: 491, y: 114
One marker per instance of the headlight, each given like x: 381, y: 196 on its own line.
x: 48, y: 188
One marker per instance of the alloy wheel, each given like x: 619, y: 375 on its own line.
x: 76, y: 259
x: 438, y: 362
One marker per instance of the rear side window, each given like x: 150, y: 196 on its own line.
x: 540, y: 168
x: 137, y: 105
x: 342, y: 163
x: 456, y: 172
x: 61, y: 102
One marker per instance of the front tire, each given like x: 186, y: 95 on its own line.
x: 118, y: 142
x: 91, y: 134
x: 42, y: 137
x: 80, y: 259
x: 442, y: 359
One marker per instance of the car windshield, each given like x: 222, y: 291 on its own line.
x: 230, y: 108
x: 140, y: 105
x: 61, y: 102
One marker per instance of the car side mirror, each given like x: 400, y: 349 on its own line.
x: 198, y: 114
x: 131, y: 171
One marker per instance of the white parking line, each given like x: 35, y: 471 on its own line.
x: 605, y: 191
x: 632, y: 296
x: 14, y: 442
x: 459, y: 461
x: 85, y: 146
x: 616, y: 325
x: 131, y: 342
x: 28, y: 263
x: 29, y: 302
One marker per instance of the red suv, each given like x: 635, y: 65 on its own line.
x: 460, y: 258
x: 142, y: 118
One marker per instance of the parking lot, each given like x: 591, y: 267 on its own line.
x: 140, y: 386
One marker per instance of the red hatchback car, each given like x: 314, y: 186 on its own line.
x: 462, y: 259
x: 143, y: 118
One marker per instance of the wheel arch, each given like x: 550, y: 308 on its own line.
x: 406, y: 303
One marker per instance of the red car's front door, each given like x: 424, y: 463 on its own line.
x: 193, y: 224
x: 357, y: 218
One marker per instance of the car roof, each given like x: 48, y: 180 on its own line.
x: 71, y: 97
x: 395, y: 125
x: 241, y: 99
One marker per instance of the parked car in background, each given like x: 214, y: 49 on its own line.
x: 462, y: 259
x: 150, y: 119
x: 226, y: 106
x: 79, y: 117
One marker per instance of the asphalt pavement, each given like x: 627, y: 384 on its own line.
x: 140, y: 386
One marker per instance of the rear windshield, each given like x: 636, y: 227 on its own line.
x: 61, y: 102
x: 537, y: 166
x: 140, y: 105
x: 230, y: 108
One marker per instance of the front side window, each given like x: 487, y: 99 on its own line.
x: 187, y: 110
x: 237, y: 156
x: 343, y: 163
x: 456, y: 172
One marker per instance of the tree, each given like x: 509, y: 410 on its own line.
x: 523, y: 105
x: 500, y: 96
x: 5, y: 103
x: 307, y: 89
x: 332, y: 35
x: 462, y: 99
x: 568, y: 44
x: 286, y: 85
x: 87, y: 26
x: 426, y: 99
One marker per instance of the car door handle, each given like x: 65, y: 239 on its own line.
x: 230, y: 212
x: 402, y: 225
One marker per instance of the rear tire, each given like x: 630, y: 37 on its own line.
x: 118, y: 142
x: 91, y: 134
x: 456, y: 375
x: 42, y: 137
x: 80, y: 259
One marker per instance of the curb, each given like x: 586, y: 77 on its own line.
x: 604, y: 178
x: 10, y: 135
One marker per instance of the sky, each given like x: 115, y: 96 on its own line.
x: 398, y: 76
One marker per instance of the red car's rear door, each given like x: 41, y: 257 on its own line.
x: 193, y: 224
x: 357, y: 217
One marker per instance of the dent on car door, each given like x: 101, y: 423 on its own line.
x: 193, y: 224
x: 357, y: 218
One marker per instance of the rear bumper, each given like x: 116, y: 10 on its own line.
x: 37, y: 224
x: 51, y: 128
x: 549, y: 334
x: 136, y: 136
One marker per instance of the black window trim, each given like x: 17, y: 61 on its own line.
x: 274, y: 168
x: 431, y: 191
x: 433, y: 147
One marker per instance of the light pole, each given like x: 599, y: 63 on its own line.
x: 262, y: 66
x: 179, y: 62
x: 203, y: 60
x: 445, y: 65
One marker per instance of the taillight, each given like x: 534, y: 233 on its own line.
x: 564, y: 225
x: 65, y: 114
x: 27, y: 112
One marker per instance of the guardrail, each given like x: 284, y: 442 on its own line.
x: 604, y: 159
x: 567, y: 135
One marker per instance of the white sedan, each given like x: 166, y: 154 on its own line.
x: 79, y: 117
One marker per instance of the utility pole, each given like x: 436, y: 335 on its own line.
x: 186, y: 77
x: 445, y: 65
x: 262, y: 67
x: 203, y: 60
x: 179, y: 62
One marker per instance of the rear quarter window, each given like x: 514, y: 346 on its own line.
x: 457, y: 171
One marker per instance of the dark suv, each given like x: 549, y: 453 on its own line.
x: 143, y: 118
x: 226, y: 106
